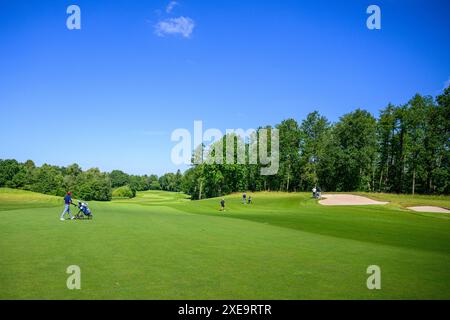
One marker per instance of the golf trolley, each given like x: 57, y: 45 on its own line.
x: 317, y: 195
x: 83, y: 211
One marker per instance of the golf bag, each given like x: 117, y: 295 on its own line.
x: 83, y: 211
x: 316, y: 193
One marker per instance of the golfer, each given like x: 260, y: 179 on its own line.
x: 67, y: 203
x: 222, y: 205
x: 249, y: 199
x: 314, y: 190
x: 244, y: 198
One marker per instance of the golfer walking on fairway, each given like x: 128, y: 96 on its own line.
x: 67, y: 203
x: 314, y: 190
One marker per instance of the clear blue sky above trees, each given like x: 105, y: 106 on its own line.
x: 110, y: 94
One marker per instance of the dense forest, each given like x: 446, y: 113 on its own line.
x: 405, y: 150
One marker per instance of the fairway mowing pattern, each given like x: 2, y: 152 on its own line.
x: 284, y: 246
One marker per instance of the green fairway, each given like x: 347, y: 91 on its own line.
x: 161, y: 245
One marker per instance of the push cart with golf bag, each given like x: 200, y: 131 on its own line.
x: 83, y: 211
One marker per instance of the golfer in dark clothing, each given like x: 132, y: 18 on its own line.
x: 222, y: 205
x: 244, y: 198
x: 67, y: 203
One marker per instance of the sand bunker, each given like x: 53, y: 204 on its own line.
x: 347, y: 200
x: 429, y: 209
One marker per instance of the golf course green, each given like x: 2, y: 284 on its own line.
x: 162, y: 245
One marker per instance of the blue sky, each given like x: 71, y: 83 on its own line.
x: 109, y: 95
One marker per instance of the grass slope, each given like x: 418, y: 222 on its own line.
x: 162, y: 246
x: 11, y: 199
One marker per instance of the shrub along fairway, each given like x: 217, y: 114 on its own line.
x: 162, y: 246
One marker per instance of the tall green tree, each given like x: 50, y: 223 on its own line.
x: 314, y: 131
x: 355, y: 136
x: 289, y: 153
x: 119, y: 178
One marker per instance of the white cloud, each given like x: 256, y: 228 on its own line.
x: 170, y: 6
x: 182, y: 25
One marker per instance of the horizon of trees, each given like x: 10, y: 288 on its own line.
x: 405, y: 150
x: 91, y: 184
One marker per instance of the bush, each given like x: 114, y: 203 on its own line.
x: 155, y: 186
x: 124, y: 192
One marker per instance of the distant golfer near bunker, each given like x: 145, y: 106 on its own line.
x: 429, y: 209
x: 347, y: 200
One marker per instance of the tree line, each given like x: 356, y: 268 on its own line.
x: 88, y: 185
x: 405, y: 150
